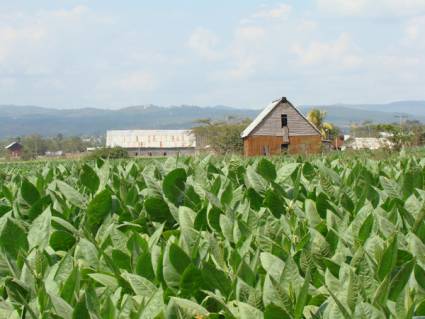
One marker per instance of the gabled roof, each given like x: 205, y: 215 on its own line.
x: 268, y: 109
x: 12, y: 144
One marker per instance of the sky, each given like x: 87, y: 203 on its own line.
x: 242, y: 53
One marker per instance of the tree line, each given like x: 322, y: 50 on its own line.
x: 36, y: 145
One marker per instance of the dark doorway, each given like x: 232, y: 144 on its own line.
x: 284, y: 120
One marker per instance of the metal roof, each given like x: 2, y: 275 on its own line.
x: 260, y: 117
x: 11, y: 144
x: 150, y: 138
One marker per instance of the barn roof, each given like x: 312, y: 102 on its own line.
x: 12, y: 144
x: 260, y: 117
x: 150, y: 138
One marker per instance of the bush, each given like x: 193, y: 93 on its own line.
x: 108, y: 152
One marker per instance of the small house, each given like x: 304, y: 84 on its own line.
x: 14, y: 149
x: 153, y: 142
x: 281, y: 128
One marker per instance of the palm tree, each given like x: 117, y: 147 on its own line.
x: 317, y: 118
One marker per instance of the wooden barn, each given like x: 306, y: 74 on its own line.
x: 281, y: 128
x: 14, y: 149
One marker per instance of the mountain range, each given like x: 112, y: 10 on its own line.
x: 24, y: 120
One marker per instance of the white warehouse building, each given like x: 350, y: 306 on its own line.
x: 153, y: 142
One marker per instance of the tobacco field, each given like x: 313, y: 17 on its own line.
x: 206, y: 237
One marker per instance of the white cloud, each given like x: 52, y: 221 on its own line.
x: 136, y: 81
x: 13, y: 38
x: 249, y: 33
x: 306, y: 25
x: 204, y: 42
x: 340, y: 52
x: 415, y: 28
x: 278, y: 12
x: 372, y: 7
x: 32, y: 40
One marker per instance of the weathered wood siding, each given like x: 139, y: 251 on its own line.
x: 297, y: 125
x: 254, y: 145
x: 307, y: 144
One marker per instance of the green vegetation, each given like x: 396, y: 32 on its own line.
x: 108, y: 152
x: 214, y: 237
x: 405, y: 134
x: 317, y: 118
x: 223, y: 137
x: 35, y: 145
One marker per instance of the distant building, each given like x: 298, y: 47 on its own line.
x: 54, y: 153
x: 370, y: 143
x: 281, y: 128
x: 153, y: 142
x: 14, y: 149
x: 335, y: 143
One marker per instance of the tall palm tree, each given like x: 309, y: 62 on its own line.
x: 317, y: 118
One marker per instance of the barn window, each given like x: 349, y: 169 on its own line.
x: 266, y: 150
x: 284, y: 147
x: 284, y: 119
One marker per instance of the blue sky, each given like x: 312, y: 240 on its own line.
x: 241, y: 53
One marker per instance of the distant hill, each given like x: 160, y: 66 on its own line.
x: 416, y: 108
x: 25, y: 120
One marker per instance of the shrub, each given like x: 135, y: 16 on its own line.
x: 108, y: 152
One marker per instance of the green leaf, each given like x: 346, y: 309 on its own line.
x: 105, y: 280
x: 341, y: 307
x: 272, y: 264
x: 366, y: 228
x: 302, y: 297
x: 71, y: 194
x: 400, y: 280
x: 140, y: 285
x: 178, y: 258
x: 312, y: 214
x: 274, y: 312
x: 87, y: 253
x: 254, y: 180
x: 61, y: 307
x: 390, y: 187
x: 154, y: 307
x: 61, y: 240
x: 158, y: 209
x: 420, y: 276
x: 179, y: 308
x: 121, y: 259
x: 332, y: 266
x: 191, y: 281
x: 89, y: 178
x: 286, y: 171
x: 173, y: 185
x: 108, y: 310
x: 246, y: 311
x: 275, y: 203
x: 389, y: 258
x: 39, y: 231
x: 12, y: 237
x: 29, y: 192
x: 266, y: 169
x: 213, y: 278
x: 99, y: 207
